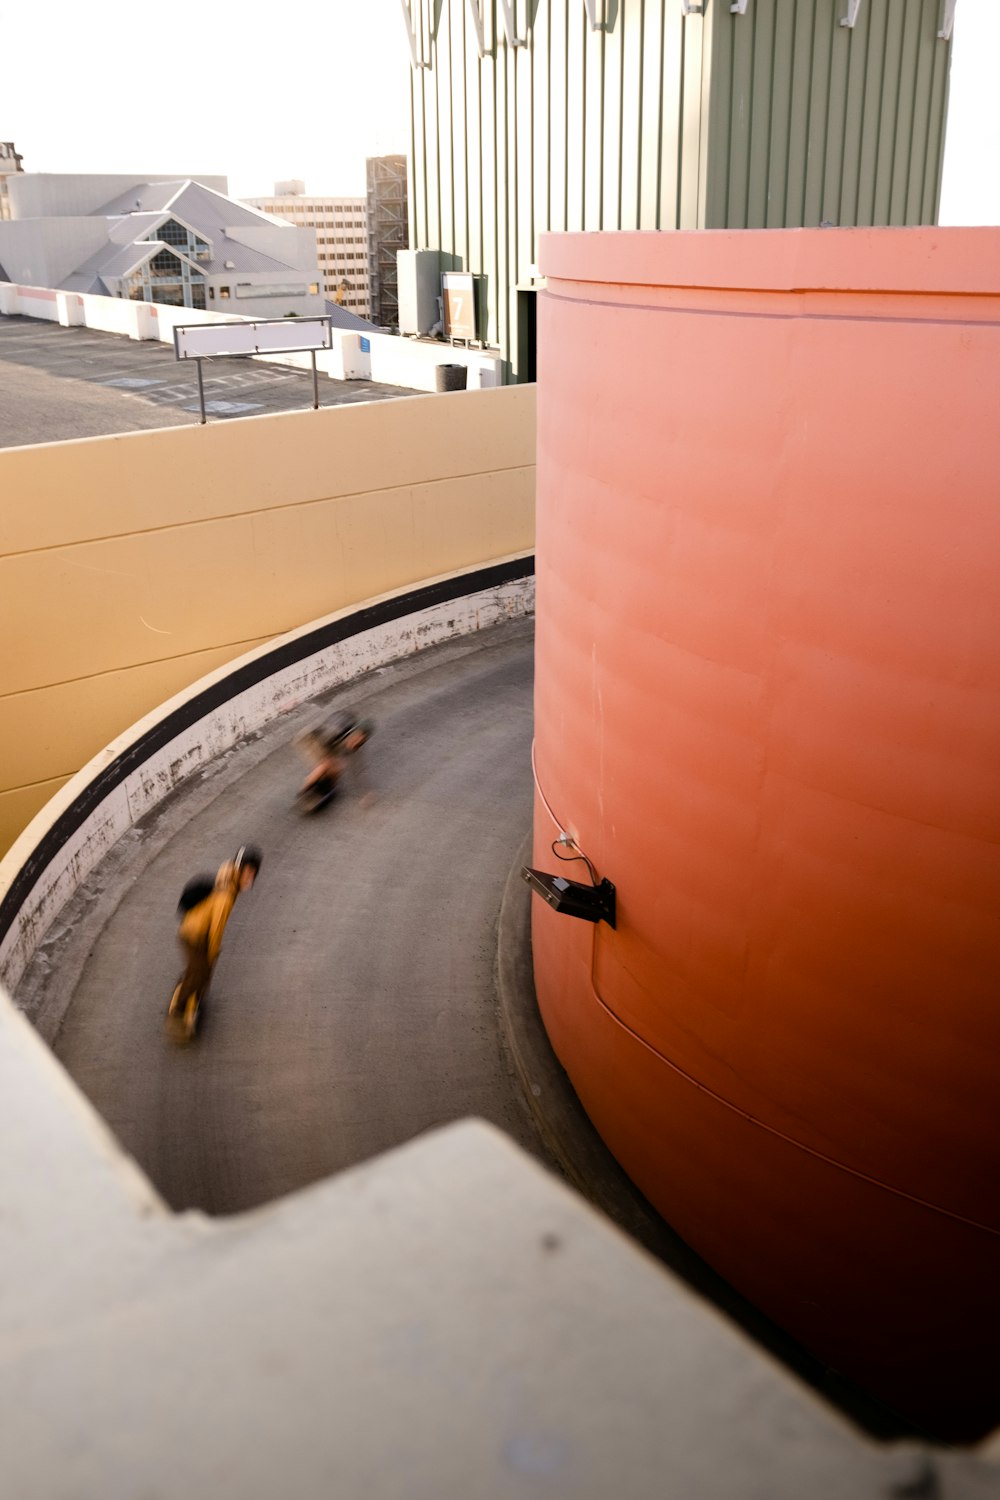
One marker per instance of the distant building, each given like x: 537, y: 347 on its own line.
x: 182, y: 242
x: 634, y: 116
x: 10, y: 163
x: 341, y: 239
x: 387, y: 233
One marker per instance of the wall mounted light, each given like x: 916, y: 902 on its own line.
x: 591, y: 903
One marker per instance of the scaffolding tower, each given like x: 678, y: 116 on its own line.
x: 387, y: 233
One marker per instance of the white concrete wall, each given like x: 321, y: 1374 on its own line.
x: 401, y: 361
x: 44, y: 254
x: 294, y: 244
x: 117, y: 315
x: 28, y: 302
x: 390, y: 359
x: 396, y: 361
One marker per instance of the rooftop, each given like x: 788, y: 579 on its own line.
x: 58, y: 383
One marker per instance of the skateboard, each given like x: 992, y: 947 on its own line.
x: 182, y: 1026
x: 320, y: 794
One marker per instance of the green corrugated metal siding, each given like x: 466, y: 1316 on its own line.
x: 659, y: 121
x: 577, y: 129
x: 816, y: 122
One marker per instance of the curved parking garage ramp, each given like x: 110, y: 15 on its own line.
x: 445, y: 1320
x: 353, y: 1006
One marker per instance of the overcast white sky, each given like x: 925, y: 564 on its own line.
x: 970, y: 191
x: 309, y: 88
x: 255, y: 93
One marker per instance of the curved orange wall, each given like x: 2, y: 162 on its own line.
x: 768, y: 708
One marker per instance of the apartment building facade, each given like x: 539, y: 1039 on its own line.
x: 341, y: 225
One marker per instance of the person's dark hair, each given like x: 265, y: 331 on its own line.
x: 336, y: 728
x: 250, y: 855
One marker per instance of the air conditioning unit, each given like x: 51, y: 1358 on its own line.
x: 418, y: 281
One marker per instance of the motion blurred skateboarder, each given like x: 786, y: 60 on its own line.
x: 205, y: 908
x: 329, y: 748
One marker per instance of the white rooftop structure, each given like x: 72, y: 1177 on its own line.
x: 179, y: 241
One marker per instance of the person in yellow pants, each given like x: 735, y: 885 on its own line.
x: 207, y: 907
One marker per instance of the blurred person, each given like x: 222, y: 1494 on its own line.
x: 206, y: 906
x: 330, y: 747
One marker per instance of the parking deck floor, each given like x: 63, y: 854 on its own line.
x: 58, y: 383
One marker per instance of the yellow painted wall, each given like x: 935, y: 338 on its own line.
x: 132, y: 565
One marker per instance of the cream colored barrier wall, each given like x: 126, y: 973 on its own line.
x: 130, y: 566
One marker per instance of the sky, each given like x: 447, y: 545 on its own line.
x: 302, y: 88
x: 309, y: 90
x: 970, y: 188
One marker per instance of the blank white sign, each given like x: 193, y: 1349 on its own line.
x: 268, y: 336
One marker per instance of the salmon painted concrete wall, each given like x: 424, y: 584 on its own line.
x: 768, y: 709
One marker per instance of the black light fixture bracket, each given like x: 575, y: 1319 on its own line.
x: 591, y: 903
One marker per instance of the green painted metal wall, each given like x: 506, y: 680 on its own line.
x: 661, y: 120
x: 813, y: 122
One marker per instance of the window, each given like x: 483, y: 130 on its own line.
x: 223, y: 291
x: 165, y: 264
x: 314, y: 288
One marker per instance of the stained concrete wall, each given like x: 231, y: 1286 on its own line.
x: 130, y: 566
x: 768, y: 709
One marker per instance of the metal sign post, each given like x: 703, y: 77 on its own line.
x: 200, y: 341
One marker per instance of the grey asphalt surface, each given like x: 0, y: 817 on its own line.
x: 58, y: 383
x: 354, y: 1005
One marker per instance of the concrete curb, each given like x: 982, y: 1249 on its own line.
x: 559, y: 1117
